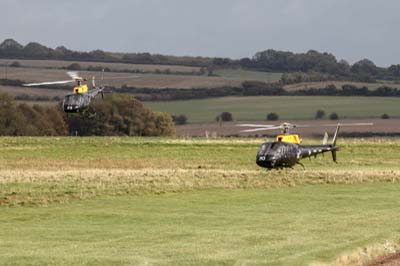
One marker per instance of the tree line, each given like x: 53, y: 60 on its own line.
x: 118, y: 115
x: 254, y: 88
x: 10, y: 48
x: 248, y: 88
x: 268, y: 60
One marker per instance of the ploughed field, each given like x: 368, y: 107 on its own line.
x: 166, y: 201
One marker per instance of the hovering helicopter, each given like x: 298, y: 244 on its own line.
x: 286, y: 151
x: 79, y: 101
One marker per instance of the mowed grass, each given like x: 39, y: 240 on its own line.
x: 155, y: 201
x: 256, y: 108
x: 293, y: 226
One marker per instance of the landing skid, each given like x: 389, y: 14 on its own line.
x: 301, y: 165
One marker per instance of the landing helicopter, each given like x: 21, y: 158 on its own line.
x: 286, y: 151
x: 79, y: 101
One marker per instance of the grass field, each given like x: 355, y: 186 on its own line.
x: 151, y: 201
x: 287, y: 107
x: 241, y: 74
x: 14, y: 91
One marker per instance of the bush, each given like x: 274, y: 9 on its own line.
x: 385, y: 116
x: 320, y: 114
x: 25, y: 120
x: 15, y: 64
x: 272, y: 117
x: 121, y: 115
x: 333, y: 116
x: 179, y: 120
x: 224, y: 117
x: 74, y: 66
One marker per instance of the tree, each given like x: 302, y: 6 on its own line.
x: 164, y: 124
x: 179, y: 120
x: 385, y: 116
x: 364, y: 67
x: 122, y: 115
x: 272, y: 116
x: 74, y: 66
x: 24, y: 120
x: 320, y: 114
x: 333, y: 116
x: 224, y: 117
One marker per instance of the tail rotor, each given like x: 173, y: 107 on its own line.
x: 334, y: 148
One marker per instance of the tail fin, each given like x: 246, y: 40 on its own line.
x: 334, y: 143
x: 325, y: 139
x: 335, y: 136
x: 334, y: 155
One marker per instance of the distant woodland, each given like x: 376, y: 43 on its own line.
x: 268, y: 60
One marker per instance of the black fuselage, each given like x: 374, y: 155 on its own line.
x: 284, y: 154
x: 77, y: 102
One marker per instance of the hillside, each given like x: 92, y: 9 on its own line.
x: 251, y: 81
x: 267, y: 61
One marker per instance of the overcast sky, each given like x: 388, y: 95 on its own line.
x: 350, y: 29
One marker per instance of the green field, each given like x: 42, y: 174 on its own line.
x: 151, y: 201
x: 241, y: 74
x: 256, y: 108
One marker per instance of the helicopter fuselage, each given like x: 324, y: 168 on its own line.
x: 285, y: 154
x: 76, y: 102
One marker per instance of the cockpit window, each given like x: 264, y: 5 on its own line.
x: 264, y: 148
x: 74, y: 99
x: 274, y: 146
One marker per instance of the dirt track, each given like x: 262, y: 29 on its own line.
x: 391, y: 260
x: 389, y: 126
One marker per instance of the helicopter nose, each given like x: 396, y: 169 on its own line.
x: 266, y: 161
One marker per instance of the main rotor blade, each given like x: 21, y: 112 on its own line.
x: 126, y: 77
x: 325, y: 139
x: 260, y: 129
x: 347, y: 124
x: 73, y: 74
x: 48, y: 83
x: 296, y: 125
x: 255, y: 125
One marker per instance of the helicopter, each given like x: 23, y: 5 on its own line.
x: 286, y: 151
x: 78, y: 101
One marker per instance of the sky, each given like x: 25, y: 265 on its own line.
x: 350, y: 29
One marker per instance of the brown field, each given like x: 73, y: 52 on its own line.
x: 41, y: 103
x: 31, y: 91
x: 338, y: 84
x: 230, y: 128
x: 113, y: 66
x: 120, y: 79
